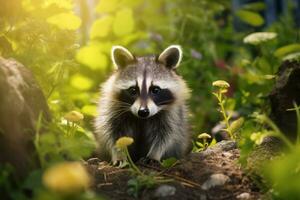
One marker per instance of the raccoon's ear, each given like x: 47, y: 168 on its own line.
x: 171, y: 56
x: 121, y: 57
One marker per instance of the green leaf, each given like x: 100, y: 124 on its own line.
x: 7, y: 42
x: 256, y: 6
x: 216, y: 94
x: 168, y: 162
x: 67, y: 4
x: 288, y: 49
x: 81, y: 82
x: 89, y: 110
x: 284, y: 171
x: 236, y: 125
x: 33, y: 180
x: 230, y: 104
x: 79, y: 146
x: 199, y: 144
x: 92, y: 57
x: 128, y: 39
x: 258, y: 137
x: 133, y: 187
x: 123, y: 22
x: 101, y: 27
x: 132, y: 3
x: 251, y: 18
x: 67, y: 21
x: 213, y: 142
x: 106, y: 6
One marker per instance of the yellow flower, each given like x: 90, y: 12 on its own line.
x: 74, y: 116
x: 68, y: 177
x: 204, y: 136
x: 221, y: 84
x: 123, y: 142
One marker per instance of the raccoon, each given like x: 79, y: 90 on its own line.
x: 144, y: 99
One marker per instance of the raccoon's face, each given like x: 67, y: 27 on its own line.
x: 148, y: 84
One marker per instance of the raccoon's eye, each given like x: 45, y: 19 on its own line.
x: 132, y: 91
x: 155, y: 90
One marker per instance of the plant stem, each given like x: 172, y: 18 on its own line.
x: 37, y: 139
x: 279, y: 133
x: 132, y: 163
x: 163, y: 180
x: 297, y: 109
x: 223, y: 111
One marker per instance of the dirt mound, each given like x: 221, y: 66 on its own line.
x: 211, y: 174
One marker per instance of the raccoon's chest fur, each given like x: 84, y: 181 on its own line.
x: 145, y: 132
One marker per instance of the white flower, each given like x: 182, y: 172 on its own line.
x: 259, y: 37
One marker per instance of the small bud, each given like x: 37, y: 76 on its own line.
x: 221, y: 84
x: 204, y: 136
x: 260, y: 118
x: 68, y: 177
x: 236, y: 125
x: 123, y: 142
x: 74, y: 116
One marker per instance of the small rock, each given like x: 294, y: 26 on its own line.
x: 244, y: 196
x: 164, y: 191
x: 220, y: 147
x: 227, y: 145
x: 215, y: 180
x: 203, y: 197
x: 21, y: 104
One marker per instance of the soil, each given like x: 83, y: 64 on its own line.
x: 189, y: 176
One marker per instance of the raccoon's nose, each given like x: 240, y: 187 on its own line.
x: 143, y: 112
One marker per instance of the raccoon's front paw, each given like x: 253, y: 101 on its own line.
x: 119, y: 159
x: 120, y: 163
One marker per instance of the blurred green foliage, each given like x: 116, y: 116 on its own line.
x: 283, y: 174
x: 49, y: 38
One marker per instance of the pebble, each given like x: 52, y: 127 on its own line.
x: 227, y: 145
x: 203, y: 197
x: 244, y: 196
x: 164, y: 191
x: 215, y: 180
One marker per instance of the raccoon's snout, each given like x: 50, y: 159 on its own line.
x: 143, y: 112
x: 144, y: 109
